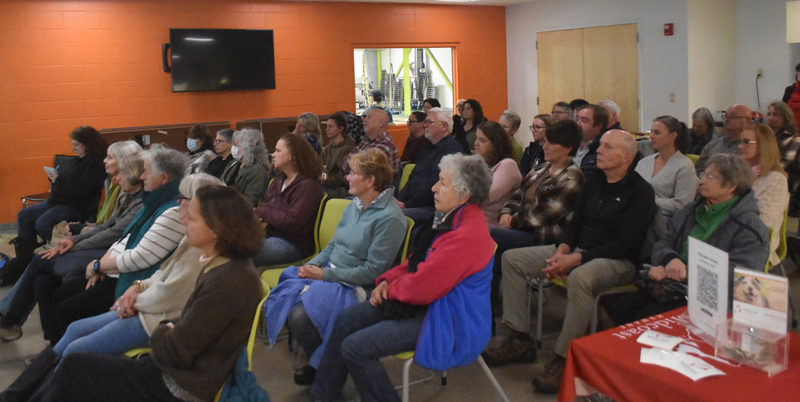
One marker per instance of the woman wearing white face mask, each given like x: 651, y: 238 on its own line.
x: 253, y: 167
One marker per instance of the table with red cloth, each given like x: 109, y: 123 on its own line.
x: 608, y: 362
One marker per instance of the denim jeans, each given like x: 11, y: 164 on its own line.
x: 275, y: 250
x: 359, y: 338
x: 40, y: 218
x: 105, y: 334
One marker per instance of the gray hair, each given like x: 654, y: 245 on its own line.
x: 167, y: 160
x: 251, y: 141
x: 444, y: 115
x: 513, y: 118
x: 567, y: 108
x: 610, y: 105
x: 471, y: 176
x: 121, y: 148
x: 227, y: 134
x: 704, y: 114
x: 131, y: 166
x: 193, y: 182
x: 733, y: 171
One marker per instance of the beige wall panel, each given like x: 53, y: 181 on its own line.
x: 560, y: 67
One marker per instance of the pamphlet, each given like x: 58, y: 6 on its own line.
x: 760, y: 300
x: 690, y: 366
x: 659, y: 340
x: 707, y: 274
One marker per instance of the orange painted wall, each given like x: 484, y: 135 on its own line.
x: 68, y: 63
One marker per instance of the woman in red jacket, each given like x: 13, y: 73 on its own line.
x: 391, y: 322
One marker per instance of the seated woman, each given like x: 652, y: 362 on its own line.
x: 307, y: 127
x: 703, y: 130
x: 141, y: 308
x: 333, y: 180
x: 446, y: 279
x: 291, y: 203
x: 669, y: 170
x: 147, y: 242
x: 74, y: 188
x: 200, y: 144
x: 771, y: 189
x: 725, y: 216
x: 194, y: 355
x: 533, y: 156
x: 541, y: 208
x: 364, y: 246
x: 494, y: 146
x: 74, y: 252
x: 253, y: 170
x: 782, y: 121
x: 473, y: 116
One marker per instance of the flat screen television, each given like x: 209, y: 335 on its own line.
x: 220, y: 59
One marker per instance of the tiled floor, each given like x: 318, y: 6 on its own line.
x: 273, y: 366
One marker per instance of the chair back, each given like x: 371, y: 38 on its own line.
x: 403, y: 254
x: 406, y: 174
x: 328, y: 219
x: 783, y: 244
x: 693, y: 158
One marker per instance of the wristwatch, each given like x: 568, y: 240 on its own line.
x: 96, y: 266
x: 140, y: 284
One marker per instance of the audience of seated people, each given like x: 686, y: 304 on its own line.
x: 333, y: 179
x: 759, y: 148
x: 669, y: 171
x: 194, y: 355
x: 375, y: 124
x: 147, y: 241
x: 735, y: 118
x: 599, y: 249
x: 593, y: 120
x: 308, y: 127
x: 703, y: 130
x: 539, y: 211
x: 225, y: 164
x: 430, y: 103
x: 415, y: 198
x: 253, y: 171
x: 74, y: 189
x: 367, y: 239
x: 74, y: 252
x: 200, y: 144
x: 291, y: 203
x: 510, y: 121
x: 494, y: 146
x: 416, y: 142
x: 533, y: 156
x: 419, y: 303
x: 725, y: 215
x: 583, y: 220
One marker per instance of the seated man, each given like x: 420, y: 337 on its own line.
x: 375, y: 124
x: 416, y: 198
x: 222, y: 147
x: 593, y: 120
x: 613, y: 114
x: 735, y: 118
x: 598, y: 250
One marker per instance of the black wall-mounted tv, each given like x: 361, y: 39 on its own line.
x: 220, y: 59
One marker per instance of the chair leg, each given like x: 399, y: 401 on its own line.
x: 406, y: 369
x: 540, y: 295
x: 444, y: 378
x: 791, y: 304
x: 491, y: 377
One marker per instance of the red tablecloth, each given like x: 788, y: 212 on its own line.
x: 609, y: 363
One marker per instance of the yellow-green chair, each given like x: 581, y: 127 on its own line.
x: 406, y: 174
x: 693, y: 158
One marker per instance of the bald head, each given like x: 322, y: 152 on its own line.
x: 375, y: 122
x: 616, y: 152
x: 735, y: 118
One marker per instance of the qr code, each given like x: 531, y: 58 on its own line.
x: 707, y: 291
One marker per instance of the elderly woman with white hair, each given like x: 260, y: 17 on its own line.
x: 138, y: 312
x: 445, y: 281
x: 254, y: 164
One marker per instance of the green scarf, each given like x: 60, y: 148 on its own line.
x: 707, y: 219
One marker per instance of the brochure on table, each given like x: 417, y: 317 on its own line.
x: 708, y: 287
x: 760, y: 300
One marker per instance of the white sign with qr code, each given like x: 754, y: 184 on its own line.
x: 708, y: 285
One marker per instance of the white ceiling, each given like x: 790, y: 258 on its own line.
x: 450, y: 2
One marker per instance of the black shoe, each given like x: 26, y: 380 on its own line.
x: 549, y: 381
x: 514, y: 348
x: 305, y: 376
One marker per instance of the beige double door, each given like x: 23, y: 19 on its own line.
x: 591, y: 63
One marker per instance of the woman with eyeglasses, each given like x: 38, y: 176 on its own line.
x: 725, y: 215
x: 533, y: 156
x: 669, y: 170
x: 759, y: 149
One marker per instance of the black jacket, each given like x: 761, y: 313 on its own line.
x: 79, y: 185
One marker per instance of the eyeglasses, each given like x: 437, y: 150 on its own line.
x: 182, y: 198
x: 414, y: 121
x: 429, y: 121
x: 707, y: 176
x: 535, y: 127
x: 219, y: 141
x: 558, y: 112
x: 748, y: 142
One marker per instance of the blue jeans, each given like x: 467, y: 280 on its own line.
x: 275, y: 250
x: 105, y: 334
x: 506, y: 239
x: 359, y: 338
x: 40, y: 218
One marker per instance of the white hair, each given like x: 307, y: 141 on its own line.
x: 610, y: 105
x: 444, y: 115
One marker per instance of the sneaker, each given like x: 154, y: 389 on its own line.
x: 10, y: 334
x: 305, y: 376
x: 513, y: 349
x: 549, y: 381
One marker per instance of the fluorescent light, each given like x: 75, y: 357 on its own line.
x: 193, y: 39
